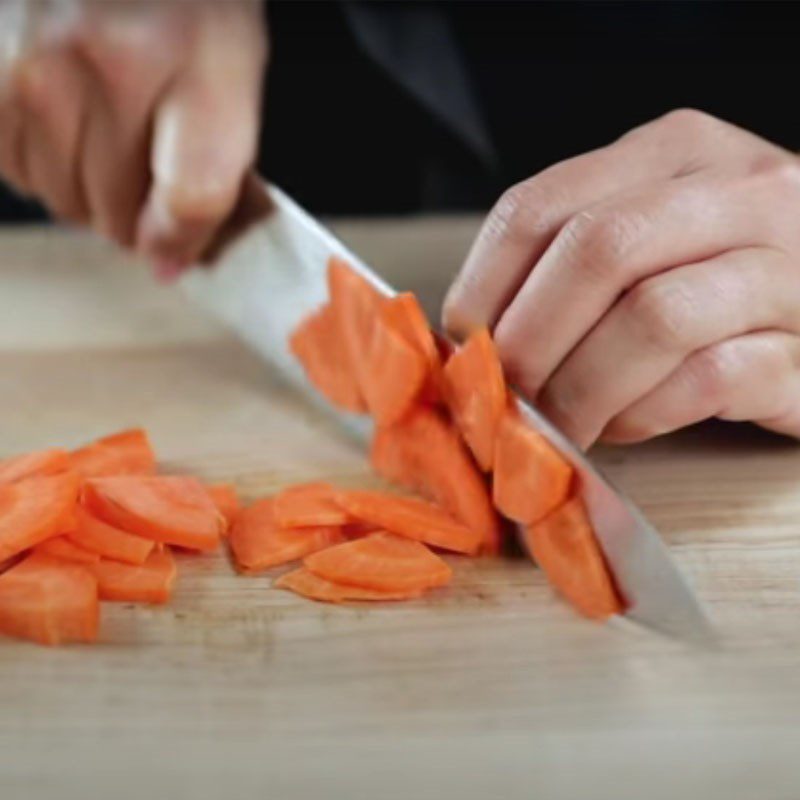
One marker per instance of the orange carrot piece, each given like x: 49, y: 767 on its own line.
x: 381, y: 561
x: 34, y: 465
x: 531, y: 479
x: 125, y: 453
x: 305, y: 583
x: 50, y: 601
x: 320, y: 348
x: 564, y: 546
x: 99, y: 537
x: 34, y: 510
x: 476, y: 394
x: 308, y: 504
x: 355, y: 304
x: 150, y: 582
x: 226, y: 499
x: 424, y: 452
x: 412, y: 518
x: 63, y: 547
x: 170, y: 509
x: 258, y: 542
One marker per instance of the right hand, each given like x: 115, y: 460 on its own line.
x: 137, y: 117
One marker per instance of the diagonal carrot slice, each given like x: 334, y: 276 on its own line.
x: 258, y: 542
x: 305, y: 583
x: 125, y: 453
x: 34, y: 465
x: 476, y: 394
x: 381, y: 561
x: 226, y: 499
x: 62, y: 547
x: 150, y: 582
x: 412, y: 518
x: 49, y: 600
x: 93, y: 534
x: 564, y: 546
x: 531, y: 478
x: 170, y: 509
x: 34, y: 510
x: 308, y: 504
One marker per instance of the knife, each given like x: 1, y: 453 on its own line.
x: 269, y: 272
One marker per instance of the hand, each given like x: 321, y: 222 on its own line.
x: 137, y: 117
x: 647, y: 285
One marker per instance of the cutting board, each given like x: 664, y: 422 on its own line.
x: 491, y: 688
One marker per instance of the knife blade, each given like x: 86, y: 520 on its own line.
x: 271, y: 273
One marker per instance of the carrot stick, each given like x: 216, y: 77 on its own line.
x: 99, y: 537
x: 62, y: 547
x: 34, y: 465
x: 308, y: 504
x: 125, y: 453
x: 150, y: 582
x: 305, y: 583
x: 226, y: 499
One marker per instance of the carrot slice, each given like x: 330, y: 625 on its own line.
x: 62, y: 547
x: 355, y: 304
x: 31, y: 465
x: 564, y: 546
x: 424, y: 452
x: 150, y: 582
x: 531, y: 478
x: 308, y: 504
x: 476, y: 394
x: 381, y: 561
x: 412, y: 518
x: 99, y: 537
x: 170, y: 509
x: 320, y: 348
x: 305, y: 583
x: 49, y: 600
x: 34, y: 510
x: 226, y: 499
x: 258, y: 542
x: 125, y: 453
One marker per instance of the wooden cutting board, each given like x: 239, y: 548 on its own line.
x: 492, y: 688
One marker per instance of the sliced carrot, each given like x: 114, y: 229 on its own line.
x: 93, y: 534
x: 49, y: 600
x: 531, y: 478
x: 34, y: 510
x: 381, y: 561
x: 305, y: 583
x: 476, y: 394
x: 226, y: 499
x: 150, y: 582
x: 320, y: 348
x: 125, y: 453
x: 308, y: 504
x: 170, y: 509
x: 31, y: 465
x: 63, y: 547
x: 564, y: 546
x: 355, y: 304
x: 258, y: 542
x: 424, y: 452
x: 412, y: 518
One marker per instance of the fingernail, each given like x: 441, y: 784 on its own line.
x: 168, y: 270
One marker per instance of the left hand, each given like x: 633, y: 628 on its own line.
x: 647, y: 285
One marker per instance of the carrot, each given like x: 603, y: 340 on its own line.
x: 99, y: 537
x: 412, y: 518
x: 355, y: 305
x: 531, y: 478
x: 169, y: 509
x: 308, y: 504
x: 424, y: 452
x: 305, y: 583
x: 63, y: 547
x: 259, y: 543
x: 226, y: 499
x: 476, y: 394
x: 125, y: 453
x: 564, y: 546
x: 34, y: 510
x: 150, y: 582
x: 31, y: 465
x: 49, y: 600
x: 320, y: 348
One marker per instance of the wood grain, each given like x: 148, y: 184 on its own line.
x: 489, y: 689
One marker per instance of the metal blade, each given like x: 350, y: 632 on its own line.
x: 273, y: 274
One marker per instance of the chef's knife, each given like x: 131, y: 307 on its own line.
x: 271, y: 272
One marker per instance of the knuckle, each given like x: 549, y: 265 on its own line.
x: 661, y: 312
x: 711, y: 370
x: 514, y: 213
x: 780, y: 170
x: 599, y: 243
x: 691, y: 120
